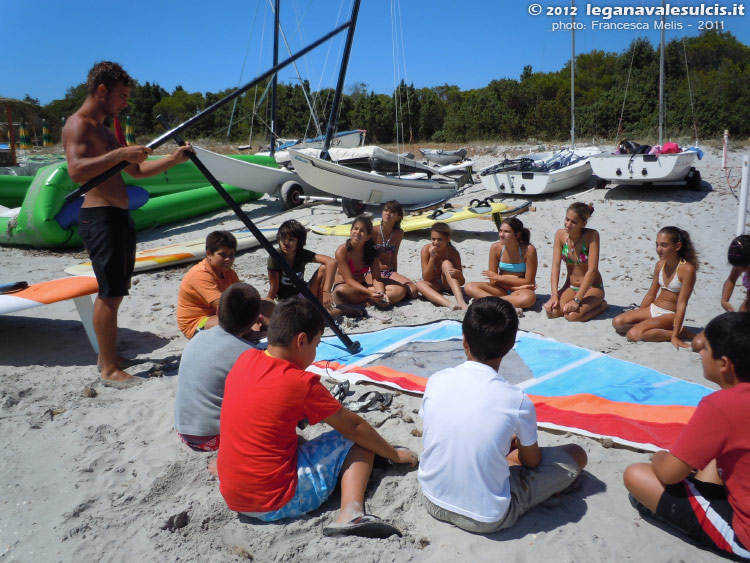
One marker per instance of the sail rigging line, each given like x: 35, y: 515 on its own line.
x: 242, y: 70
x: 255, y: 97
x: 625, y: 96
x: 299, y: 77
x: 396, y: 78
x: 406, y: 78
x: 690, y: 93
x: 316, y: 96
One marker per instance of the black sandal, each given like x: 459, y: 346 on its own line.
x: 370, y: 401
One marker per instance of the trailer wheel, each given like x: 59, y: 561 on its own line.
x: 290, y: 195
x: 352, y: 207
x: 694, y: 180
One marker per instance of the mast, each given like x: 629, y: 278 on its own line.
x: 275, y: 80
x: 340, y: 84
x: 661, y: 78
x: 573, y: 78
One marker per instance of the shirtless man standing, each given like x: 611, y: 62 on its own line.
x: 105, y: 225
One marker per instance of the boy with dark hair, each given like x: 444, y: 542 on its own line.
x: 204, y: 366
x: 104, y: 222
x: 292, y: 237
x: 263, y: 472
x: 701, y: 485
x: 201, y: 288
x: 482, y: 467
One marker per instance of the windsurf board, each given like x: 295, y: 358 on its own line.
x: 497, y: 210
x: 180, y: 252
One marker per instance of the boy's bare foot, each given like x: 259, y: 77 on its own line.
x: 117, y: 375
x: 213, y: 468
x: 122, y: 363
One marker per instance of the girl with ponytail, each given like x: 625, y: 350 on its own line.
x: 511, y: 274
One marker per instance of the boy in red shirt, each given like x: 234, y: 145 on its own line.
x: 702, y: 485
x: 263, y: 472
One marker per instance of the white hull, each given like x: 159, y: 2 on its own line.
x: 442, y: 157
x: 514, y: 182
x: 643, y: 168
x: 250, y: 176
x: 367, y: 186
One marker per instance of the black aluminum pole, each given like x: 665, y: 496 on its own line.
x: 352, y: 346
x: 275, y: 77
x: 333, y: 118
x: 75, y: 194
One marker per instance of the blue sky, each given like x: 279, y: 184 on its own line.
x: 50, y: 45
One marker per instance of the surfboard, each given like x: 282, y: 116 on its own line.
x: 179, y: 252
x: 497, y: 210
x: 77, y: 288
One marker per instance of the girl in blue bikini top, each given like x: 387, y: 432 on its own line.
x: 512, y: 267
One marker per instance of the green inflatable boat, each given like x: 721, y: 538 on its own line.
x: 44, y: 220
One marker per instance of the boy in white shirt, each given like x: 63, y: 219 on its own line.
x: 482, y: 467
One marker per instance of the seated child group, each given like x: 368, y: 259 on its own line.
x: 247, y: 399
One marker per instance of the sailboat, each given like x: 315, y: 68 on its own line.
x: 546, y: 172
x: 261, y: 173
x: 370, y: 187
x: 359, y: 187
x: 651, y: 169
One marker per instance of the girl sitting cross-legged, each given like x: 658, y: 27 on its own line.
x: 441, y: 269
x: 512, y: 269
x: 358, y: 280
x: 662, y: 311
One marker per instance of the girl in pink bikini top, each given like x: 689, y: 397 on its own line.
x: 358, y: 280
x: 738, y: 256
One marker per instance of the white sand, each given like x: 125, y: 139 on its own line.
x: 101, y: 479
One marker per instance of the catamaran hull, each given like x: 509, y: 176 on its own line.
x: 250, y: 176
x: 368, y: 187
x: 514, y: 182
x: 643, y: 168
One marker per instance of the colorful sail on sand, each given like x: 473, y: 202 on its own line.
x: 573, y: 388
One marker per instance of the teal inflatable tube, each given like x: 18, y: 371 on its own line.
x: 181, y: 195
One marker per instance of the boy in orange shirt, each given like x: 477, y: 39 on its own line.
x: 201, y: 288
x: 263, y: 472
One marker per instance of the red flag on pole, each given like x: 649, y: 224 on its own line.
x: 118, y: 132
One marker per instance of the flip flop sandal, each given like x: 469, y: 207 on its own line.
x: 340, y: 391
x: 370, y: 401
x: 366, y: 526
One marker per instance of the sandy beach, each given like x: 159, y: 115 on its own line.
x: 105, y: 478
